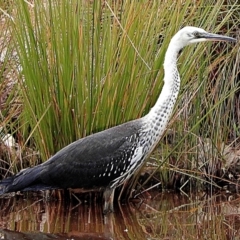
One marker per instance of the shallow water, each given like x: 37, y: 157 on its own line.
x: 155, y: 216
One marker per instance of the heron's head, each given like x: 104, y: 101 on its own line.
x: 188, y: 35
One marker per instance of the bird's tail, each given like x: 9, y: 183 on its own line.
x: 28, y: 179
x: 4, y: 183
x: 22, y: 181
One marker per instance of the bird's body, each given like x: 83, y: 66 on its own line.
x: 107, y: 159
x: 93, y: 167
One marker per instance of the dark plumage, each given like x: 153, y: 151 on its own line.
x: 88, y: 157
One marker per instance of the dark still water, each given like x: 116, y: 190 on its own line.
x: 155, y: 216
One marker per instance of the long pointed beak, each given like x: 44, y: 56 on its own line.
x: 217, y: 37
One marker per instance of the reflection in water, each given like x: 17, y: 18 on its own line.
x: 191, y: 217
x: 64, y: 220
x: 162, y: 216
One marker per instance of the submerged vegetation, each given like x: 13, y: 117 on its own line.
x: 78, y: 67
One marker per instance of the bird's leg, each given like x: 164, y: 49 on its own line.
x: 122, y: 190
x: 108, y: 200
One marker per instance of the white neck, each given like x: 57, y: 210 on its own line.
x: 159, y: 115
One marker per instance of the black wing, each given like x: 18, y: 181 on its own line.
x: 93, y: 161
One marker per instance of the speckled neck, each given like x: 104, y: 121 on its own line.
x: 159, y: 115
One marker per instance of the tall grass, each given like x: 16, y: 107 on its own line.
x: 90, y: 65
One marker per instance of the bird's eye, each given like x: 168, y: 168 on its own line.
x: 196, y: 35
